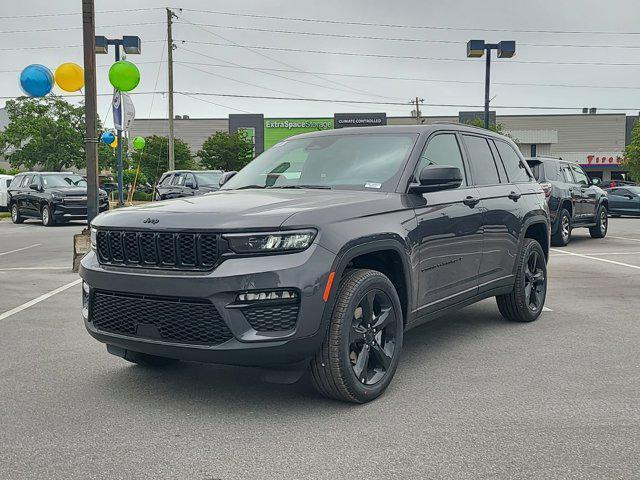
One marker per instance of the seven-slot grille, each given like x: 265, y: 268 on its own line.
x: 170, y: 250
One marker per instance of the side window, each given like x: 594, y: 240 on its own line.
x: 35, y: 180
x: 483, y: 165
x: 189, y: 179
x: 166, y: 180
x: 512, y: 163
x: 15, y: 183
x: 566, y: 173
x: 442, y: 149
x: 579, y: 175
x: 26, y: 180
x: 179, y: 181
x: 621, y: 192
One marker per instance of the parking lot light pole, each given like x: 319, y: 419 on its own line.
x: 130, y: 44
x: 477, y: 48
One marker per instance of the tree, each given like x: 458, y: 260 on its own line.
x: 494, y: 127
x: 154, y: 159
x: 48, y: 132
x: 226, y: 151
x: 632, y: 154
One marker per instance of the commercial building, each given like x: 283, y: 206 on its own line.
x: 595, y: 141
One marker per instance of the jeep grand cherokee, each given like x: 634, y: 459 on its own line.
x: 321, y: 253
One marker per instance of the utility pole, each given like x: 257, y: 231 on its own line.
x: 487, y: 81
x: 417, y: 101
x: 90, y: 107
x: 119, y: 146
x: 172, y: 162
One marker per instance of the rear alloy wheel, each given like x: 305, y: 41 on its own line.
x: 602, y: 223
x: 15, y: 214
x: 361, y: 350
x: 563, y: 236
x: 525, y: 302
x: 47, y: 217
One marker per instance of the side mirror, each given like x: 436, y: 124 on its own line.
x: 226, y: 176
x: 35, y: 187
x: 190, y: 184
x: 437, y: 177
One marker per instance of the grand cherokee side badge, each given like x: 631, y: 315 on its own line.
x: 150, y: 220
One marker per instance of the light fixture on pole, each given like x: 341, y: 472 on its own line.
x: 477, y: 48
x: 132, y: 46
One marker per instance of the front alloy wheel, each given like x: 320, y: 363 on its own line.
x: 372, y: 338
x: 525, y: 302
x: 361, y: 349
x: 15, y: 214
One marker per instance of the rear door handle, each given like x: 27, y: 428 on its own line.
x: 470, y: 201
x: 515, y: 196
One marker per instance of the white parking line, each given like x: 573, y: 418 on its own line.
x: 33, y: 268
x: 20, y: 249
x: 637, y: 267
x: 625, y: 238
x: 610, y: 253
x: 11, y: 230
x: 30, y: 303
x: 546, y: 309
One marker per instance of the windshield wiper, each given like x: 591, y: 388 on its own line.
x: 322, y: 187
x: 250, y: 186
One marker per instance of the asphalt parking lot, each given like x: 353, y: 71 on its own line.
x: 474, y: 396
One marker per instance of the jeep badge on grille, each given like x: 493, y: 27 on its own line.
x: 151, y: 220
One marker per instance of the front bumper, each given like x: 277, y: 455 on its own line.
x: 306, y: 272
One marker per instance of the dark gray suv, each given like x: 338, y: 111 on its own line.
x: 321, y: 253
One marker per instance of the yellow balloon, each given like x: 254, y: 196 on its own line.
x: 114, y: 144
x: 70, y: 77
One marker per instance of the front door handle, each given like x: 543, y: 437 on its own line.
x: 470, y: 201
x: 515, y: 196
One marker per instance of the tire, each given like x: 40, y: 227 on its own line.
x: 602, y: 223
x: 15, y: 214
x: 357, y: 361
x: 563, y: 236
x: 147, y: 360
x: 47, y: 216
x: 519, y: 306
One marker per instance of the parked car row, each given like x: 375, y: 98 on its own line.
x: 574, y: 200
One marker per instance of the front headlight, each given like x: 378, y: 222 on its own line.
x: 270, y: 242
x: 93, y: 238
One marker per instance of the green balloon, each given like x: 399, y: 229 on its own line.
x: 138, y: 143
x: 124, y: 76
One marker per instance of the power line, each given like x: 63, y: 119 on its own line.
x: 61, y: 29
x: 49, y: 47
x: 400, y: 39
x: 66, y: 14
x: 251, y: 49
x: 212, y: 103
x: 413, y: 79
x: 365, y: 102
x: 304, y: 82
x: 404, y: 57
x: 395, y: 25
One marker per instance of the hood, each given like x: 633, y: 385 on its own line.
x: 246, y: 209
x: 69, y: 191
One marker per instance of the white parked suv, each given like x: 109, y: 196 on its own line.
x: 5, y: 181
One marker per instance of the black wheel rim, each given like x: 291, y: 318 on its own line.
x: 372, y: 337
x: 535, y: 281
x: 565, y: 227
x: 603, y: 221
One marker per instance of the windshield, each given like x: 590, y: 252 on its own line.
x: 351, y: 161
x: 208, y: 178
x: 64, y: 180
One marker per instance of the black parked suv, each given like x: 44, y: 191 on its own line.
x: 187, y: 183
x: 50, y: 196
x: 574, y: 200
x: 321, y: 253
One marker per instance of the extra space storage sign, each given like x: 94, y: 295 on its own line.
x: 277, y: 129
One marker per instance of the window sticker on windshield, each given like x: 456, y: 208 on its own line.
x: 372, y: 185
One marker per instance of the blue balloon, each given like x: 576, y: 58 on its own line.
x: 108, y: 138
x: 36, y: 80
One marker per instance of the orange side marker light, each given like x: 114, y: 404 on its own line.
x: 327, y: 289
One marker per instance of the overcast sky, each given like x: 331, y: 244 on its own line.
x: 51, y: 40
